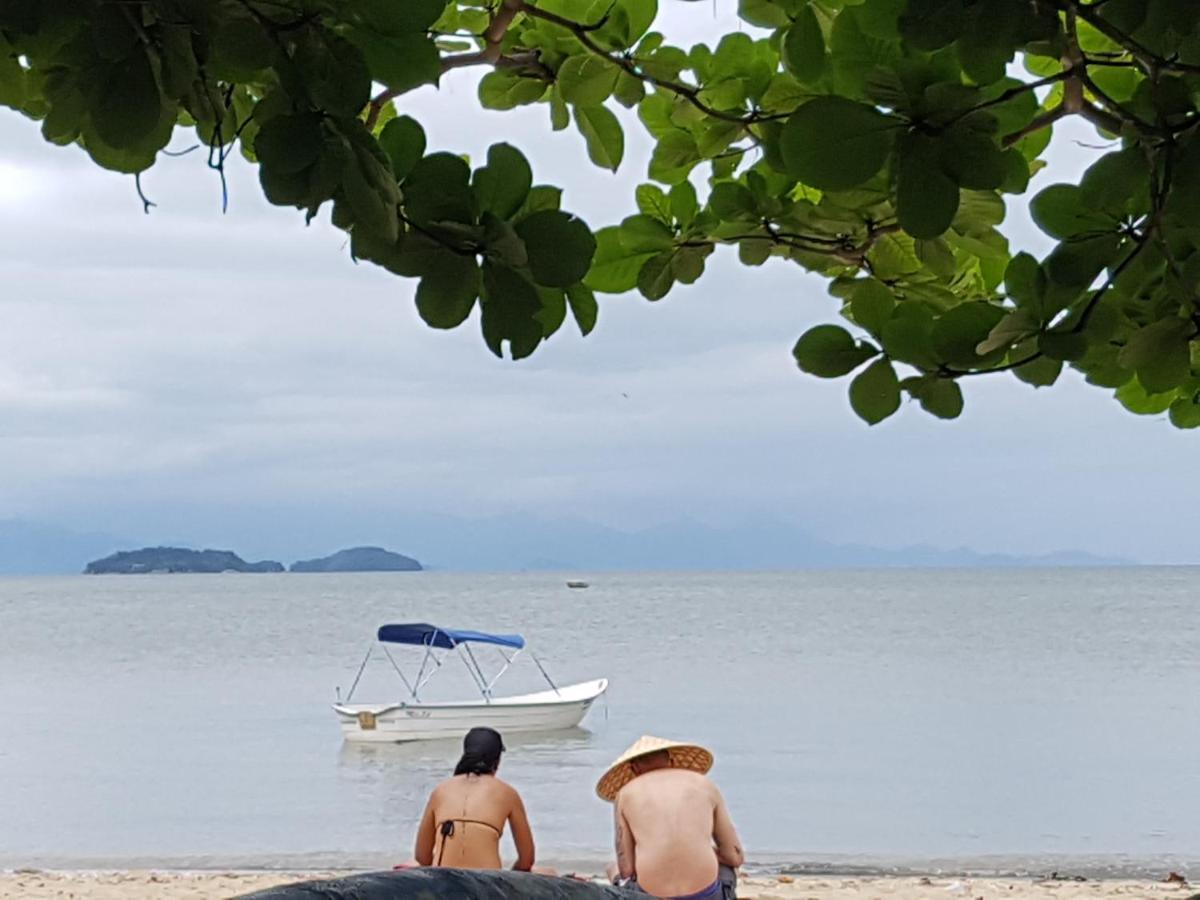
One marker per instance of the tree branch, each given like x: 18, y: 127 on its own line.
x: 1148, y: 58
x: 1012, y: 93
x: 688, y: 92
x: 490, y: 54
x: 1015, y: 364
x: 1045, y: 120
x: 1143, y: 239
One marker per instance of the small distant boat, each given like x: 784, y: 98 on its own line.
x: 578, y: 585
x: 412, y: 719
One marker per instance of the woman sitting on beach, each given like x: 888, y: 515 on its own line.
x: 466, y: 814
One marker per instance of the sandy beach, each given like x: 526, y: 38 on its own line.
x: 146, y: 885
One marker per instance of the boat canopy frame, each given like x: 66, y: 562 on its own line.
x: 448, y: 640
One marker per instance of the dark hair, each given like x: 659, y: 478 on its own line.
x: 481, y: 752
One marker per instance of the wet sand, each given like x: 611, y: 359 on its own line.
x: 170, y: 885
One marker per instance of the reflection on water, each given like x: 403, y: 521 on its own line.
x: 534, y: 748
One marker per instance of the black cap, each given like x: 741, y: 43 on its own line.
x: 483, y: 742
x: 481, y: 752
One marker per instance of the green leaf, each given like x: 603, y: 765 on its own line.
x: 972, y: 158
x: 621, y: 22
x: 583, y: 307
x: 683, y: 203
x: 1077, y: 262
x: 511, y: 305
x: 630, y: 91
x: 447, y: 293
x: 908, y: 336
x: 1025, y: 283
x: 503, y: 184
x: 438, y: 188
x: 553, y: 312
x: 656, y: 277
x: 643, y: 234
x: 1065, y: 346
x: 732, y: 201
x: 833, y: 143
x: 127, y: 104
x: 804, y: 47
x: 603, y: 134
x: 958, y: 333
x: 398, y: 18
x: 289, y: 144
x: 1041, y: 372
x: 401, y: 62
x: 335, y: 74
x: 871, y: 304
x: 587, y: 80
x: 503, y: 89
x: 403, y: 140
x: 675, y: 155
x: 1112, y: 181
x: 501, y: 242
x: 930, y: 24
x: 652, y: 201
x: 560, y: 113
x: 764, y: 13
x: 370, y: 190
x: 239, y: 47
x: 541, y: 196
x: 560, y: 247
x: 1135, y: 398
x: 754, y: 251
x: 829, y: 351
x: 1160, y: 354
x: 1062, y: 211
x: 1014, y: 328
x: 615, y: 268
x: 937, y: 256
x: 941, y: 397
x: 926, y: 199
x: 688, y: 263
x: 978, y: 212
x: 1185, y: 413
x: 875, y: 392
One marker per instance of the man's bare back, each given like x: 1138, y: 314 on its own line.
x: 672, y: 830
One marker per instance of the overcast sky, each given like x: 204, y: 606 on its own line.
x: 186, y: 361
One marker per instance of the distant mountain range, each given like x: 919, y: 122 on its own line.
x: 521, y: 543
x: 35, y: 548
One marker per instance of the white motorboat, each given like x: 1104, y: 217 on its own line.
x: 411, y: 719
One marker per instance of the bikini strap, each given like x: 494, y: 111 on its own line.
x: 450, y: 822
x: 447, y: 830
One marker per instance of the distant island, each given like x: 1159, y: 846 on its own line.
x: 359, y: 559
x: 176, y: 560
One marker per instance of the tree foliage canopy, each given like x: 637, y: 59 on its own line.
x: 870, y: 141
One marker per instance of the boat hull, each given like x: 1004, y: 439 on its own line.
x: 543, y: 711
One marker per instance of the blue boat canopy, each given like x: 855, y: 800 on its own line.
x: 423, y: 634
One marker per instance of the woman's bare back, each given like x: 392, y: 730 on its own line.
x: 464, y: 820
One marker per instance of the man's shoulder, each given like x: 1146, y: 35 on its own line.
x: 670, y: 780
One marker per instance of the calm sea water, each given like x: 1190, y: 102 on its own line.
x: 856, y: 717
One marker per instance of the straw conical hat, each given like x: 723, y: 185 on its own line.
x: 683, y: 756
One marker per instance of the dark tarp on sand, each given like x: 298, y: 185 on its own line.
x: 444, y: 884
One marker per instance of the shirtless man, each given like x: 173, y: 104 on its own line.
x: 673, y: 834
x: 466, y: 814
